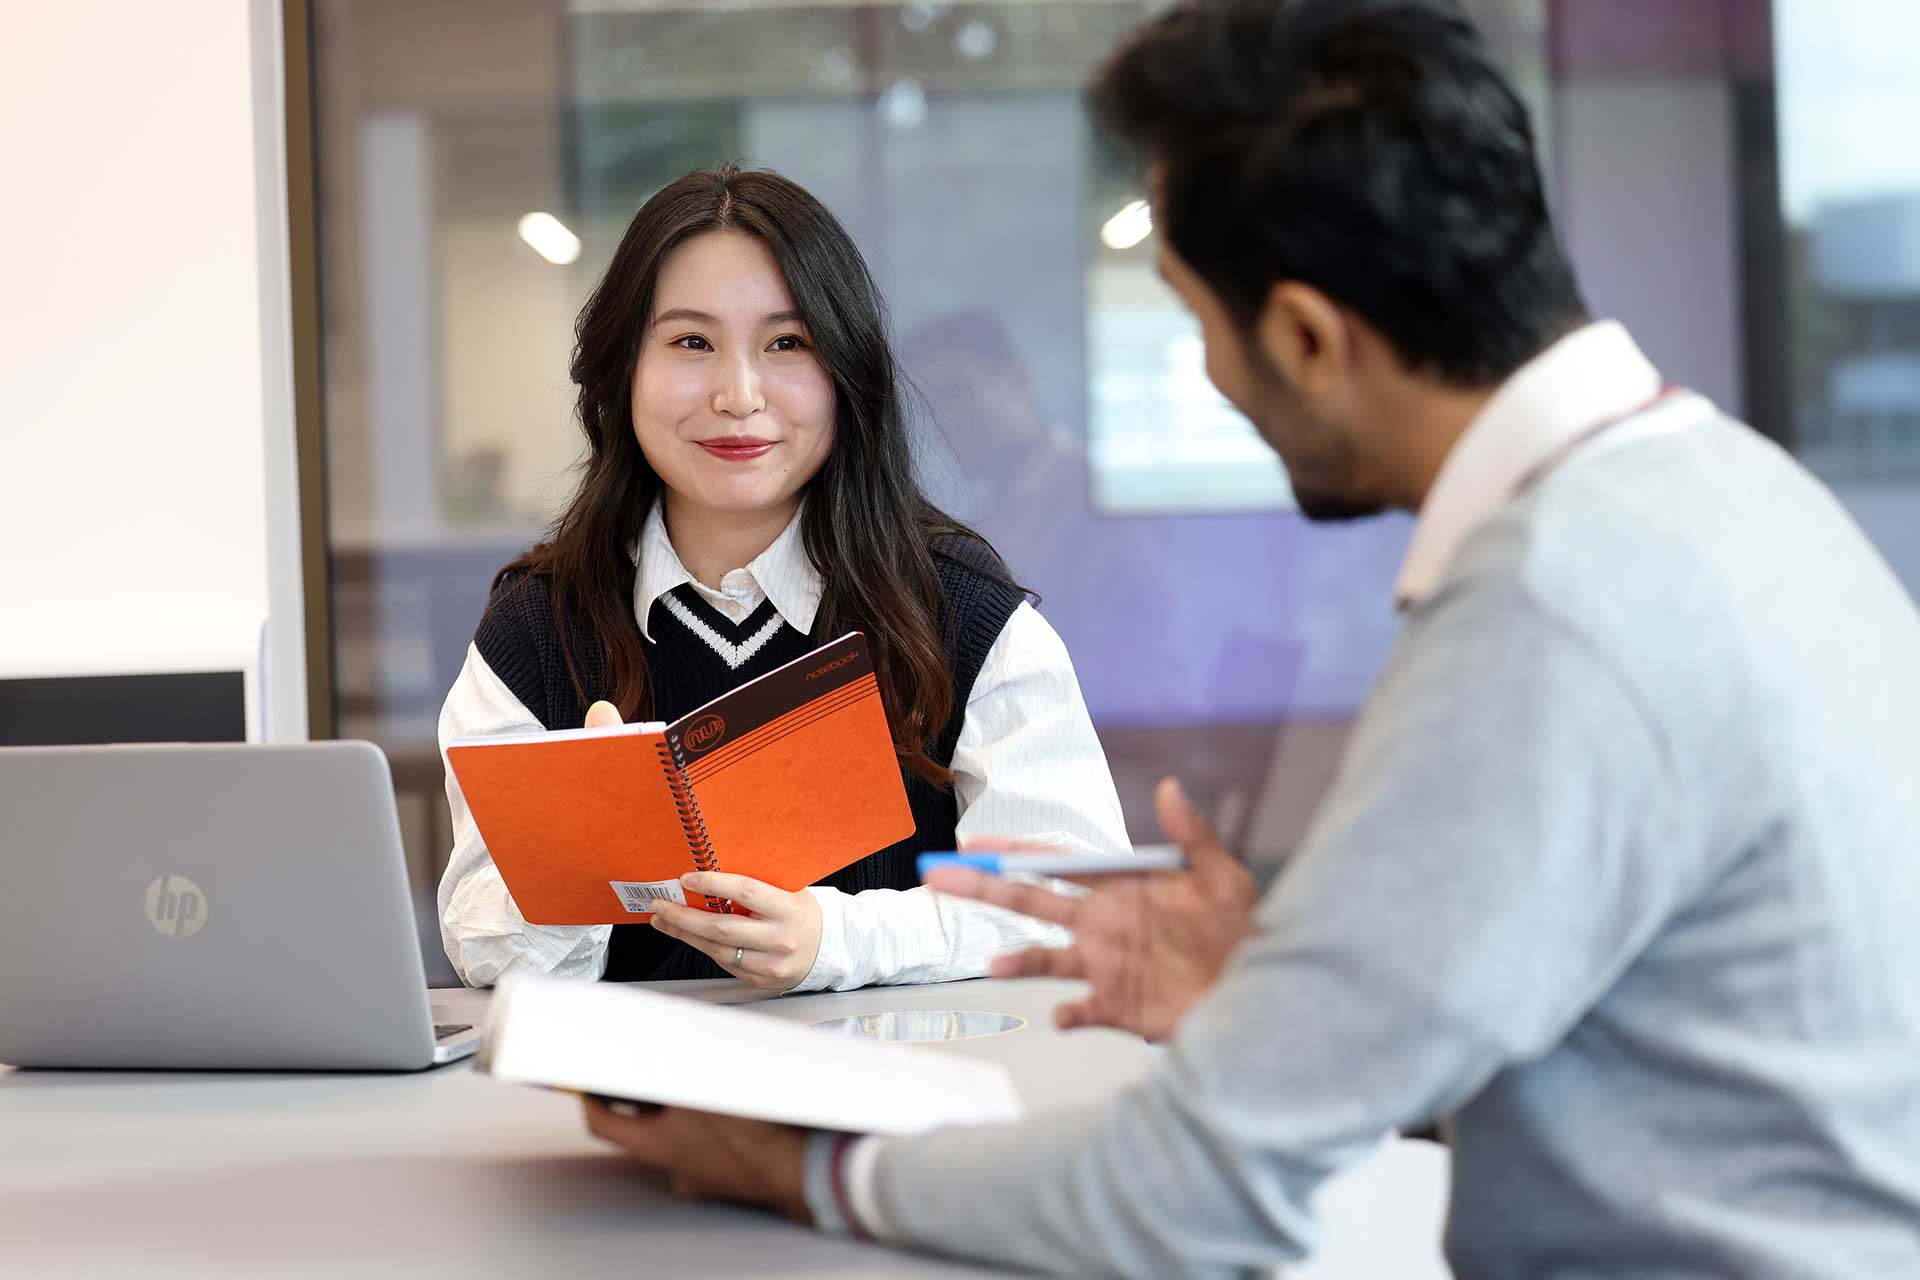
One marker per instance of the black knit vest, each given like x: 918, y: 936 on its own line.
x: 520, y: 639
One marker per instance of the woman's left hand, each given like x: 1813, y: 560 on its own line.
x: 775, y: 947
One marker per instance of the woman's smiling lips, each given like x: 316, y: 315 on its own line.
x: 736, y: 448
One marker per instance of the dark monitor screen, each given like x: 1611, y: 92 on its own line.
x: 200, y: 706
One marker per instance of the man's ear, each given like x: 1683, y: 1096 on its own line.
x: 1306, y: 337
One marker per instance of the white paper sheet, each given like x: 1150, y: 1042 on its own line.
x: 628, y: 1042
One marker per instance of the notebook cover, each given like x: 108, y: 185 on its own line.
x: 795, y: 773
x: 568, y: 817
x: 793, y: 776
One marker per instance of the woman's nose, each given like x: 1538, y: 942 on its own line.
x: 739, y: 394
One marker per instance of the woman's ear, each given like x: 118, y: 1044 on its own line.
x: 1305, y: 337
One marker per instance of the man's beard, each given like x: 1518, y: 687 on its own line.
x: 1324, y: 508
x: 1321, y: 503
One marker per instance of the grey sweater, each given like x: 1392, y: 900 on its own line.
x: 1622, y: 873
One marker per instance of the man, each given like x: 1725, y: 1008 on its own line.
x: 1622, y: 871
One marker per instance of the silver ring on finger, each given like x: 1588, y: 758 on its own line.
x: 739, y: 954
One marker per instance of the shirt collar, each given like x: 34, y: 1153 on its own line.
x: 783, y: 572
x: 1593, y: 374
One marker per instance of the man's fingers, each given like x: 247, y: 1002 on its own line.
x: 1209, y: 858
x: 1113, y: 879
x: 1178, y: 818
x: 1028, y: 900
x: 1006, y: 844
x: 961, y: 882
x: 639, y: 1134
x: 1040, y: 962
x: 603, y: 715
x: 1078, y: 1014
x: 756, y: 896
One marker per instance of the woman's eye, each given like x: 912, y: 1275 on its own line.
x: 788, y: 342
x: 692, y: 342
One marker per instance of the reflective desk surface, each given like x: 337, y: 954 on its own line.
x: 447, y: 1172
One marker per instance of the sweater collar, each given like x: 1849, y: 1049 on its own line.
x: 1593, y: 374
x: 783, y: 573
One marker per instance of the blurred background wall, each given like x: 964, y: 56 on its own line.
x: 148, y: 512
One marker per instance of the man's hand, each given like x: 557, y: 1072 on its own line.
x: 713, y: 1157
x: 1150, y: 942
x: 776, y: 946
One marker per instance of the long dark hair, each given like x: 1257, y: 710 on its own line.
x: 868, y: 528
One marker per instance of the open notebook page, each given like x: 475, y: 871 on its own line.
x: 626, y: 1042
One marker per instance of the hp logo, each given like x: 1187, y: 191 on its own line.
x: 176, y: 907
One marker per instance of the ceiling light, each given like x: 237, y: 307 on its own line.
x: 1128, y: 227
x: 904, y: 104
x: 976, y: 40
x: 550, y: 238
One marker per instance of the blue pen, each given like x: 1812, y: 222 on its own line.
x: 1146, y: 858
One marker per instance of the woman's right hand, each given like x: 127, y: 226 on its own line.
x: 785, y: 926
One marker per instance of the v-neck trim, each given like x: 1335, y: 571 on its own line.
x: 733, y: 643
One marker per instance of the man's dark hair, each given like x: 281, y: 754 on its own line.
x: 1369, y: 148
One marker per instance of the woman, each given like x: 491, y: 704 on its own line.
x: 749, y: 491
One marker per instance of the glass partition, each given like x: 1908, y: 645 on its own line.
x: 1850, y: 199
x: 478, y: 163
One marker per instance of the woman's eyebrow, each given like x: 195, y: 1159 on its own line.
x: 685, y: 313
x: 700, y: 317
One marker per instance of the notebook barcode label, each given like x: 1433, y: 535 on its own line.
x: 636, y: 894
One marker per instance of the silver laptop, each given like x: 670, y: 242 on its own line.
x: 230, y: 907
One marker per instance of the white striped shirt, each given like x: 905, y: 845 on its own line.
x: 1027, y: 764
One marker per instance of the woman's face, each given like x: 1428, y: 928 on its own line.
x: 730, y: 404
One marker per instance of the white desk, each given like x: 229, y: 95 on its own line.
x: 444, y: 1173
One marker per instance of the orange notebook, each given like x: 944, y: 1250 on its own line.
x: 786, y: 779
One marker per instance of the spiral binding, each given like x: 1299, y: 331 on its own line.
x: 688, y: 806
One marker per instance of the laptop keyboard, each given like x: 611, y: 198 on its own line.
x: 448, y: 1030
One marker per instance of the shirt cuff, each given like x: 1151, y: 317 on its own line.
x: 831, y: 963
x: 840, y: 1185
x: 822, y: 1202
x: 485, y: 935
x: 859, y: 1174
